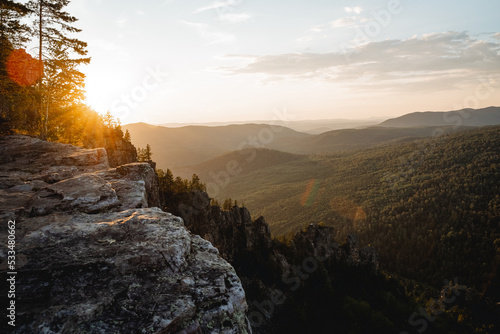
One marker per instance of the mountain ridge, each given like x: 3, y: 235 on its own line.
x: 178, y: 148
x: 463, y: 117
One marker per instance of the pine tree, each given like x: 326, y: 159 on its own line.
x: 11, y: 27
x: 169, y: 177
x: 14, y: 98
x: 227, y: 205
x: 196, y: 184
x: 127, y: 137
x: 62, y: 83
x: 148, y: 153
x: 140, y: 155
x: 144, y: 154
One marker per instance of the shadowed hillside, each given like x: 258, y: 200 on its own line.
x: 239, y: 162
x: 189, y: 146
x: 177, y: 147
x: 433, y: 200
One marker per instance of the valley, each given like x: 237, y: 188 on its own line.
x: 431, y: 193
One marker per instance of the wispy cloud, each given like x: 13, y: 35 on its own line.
x: 226, y: 11
x: 218, y: 5
x: 344, y: 22
x: 356, y: 10
x: 235, y: 18
x: 433, y: 61
x: 209, y: 35
x: 121, y: 21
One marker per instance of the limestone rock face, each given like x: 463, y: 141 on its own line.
x: 94, y: 254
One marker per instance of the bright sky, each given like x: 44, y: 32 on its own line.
x: 166, y: 61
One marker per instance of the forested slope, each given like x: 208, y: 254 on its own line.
x: 430, y: 207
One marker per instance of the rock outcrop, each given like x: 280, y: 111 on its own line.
x: 232, y: 232
x: 236, y: 235
x: 94, y: 254
x: 273, y: 273
x: 120, y: 151
x: 319, y: 242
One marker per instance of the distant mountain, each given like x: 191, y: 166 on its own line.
x: 350, y: 139
x: 184, y: 149
x: 320, y: 126
x: 464, y: 117
x: 251, y: 159
x: 308, y: 126
x: 190, y: 145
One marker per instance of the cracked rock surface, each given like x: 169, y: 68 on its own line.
x: 95, y: 255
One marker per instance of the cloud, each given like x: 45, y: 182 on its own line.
x: 226, y: 11
x: 121, y: 21
x: 356, y: 10
x: 497, y: 36
x: 344, y: 22
x: 210, y: 36
x: 235, y: 18
x: 431, y: 61
x: 218, y: 5
x: 318, y: 28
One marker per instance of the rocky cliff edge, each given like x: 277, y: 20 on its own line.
x: 95, y: 255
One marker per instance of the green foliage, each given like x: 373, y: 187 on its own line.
x: 176, y: 190
x: 11, y: 26
x: 333, y: 297
x: 362, y: 318
x: 430, y: 207
x: 62, y: 83
x: 144, y: 154
x: 127, y: 136
x: 227, y: 205
x: 54, y: 110
x: 17, y: 103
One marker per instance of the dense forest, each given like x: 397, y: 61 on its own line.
x: 430, y: 207
x: 330, y: 295
x: 43, y: 94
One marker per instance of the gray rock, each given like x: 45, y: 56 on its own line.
x: 135, y: 271
x: 89, y: 193
x: 232, y: 232
x: 93, y: 255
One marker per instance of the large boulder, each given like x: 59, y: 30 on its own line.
x: 134, y: 271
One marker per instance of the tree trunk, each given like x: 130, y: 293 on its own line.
x: 40, y: 45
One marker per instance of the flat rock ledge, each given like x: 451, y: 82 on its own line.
x: 94, y: 256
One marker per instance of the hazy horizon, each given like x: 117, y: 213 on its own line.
x: 212, y: 61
